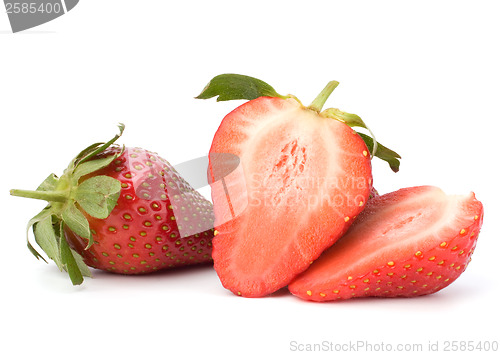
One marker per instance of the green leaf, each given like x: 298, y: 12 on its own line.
x: 237, y: 87
x: 350, y: 119
x: 77, y: 222
x: 96, y: 148
x: 69, y: 262
x: 84, y: 269
x: 35, y: 252
x: 98, y: 195
x: 91, y: 166
x: 383, y: 152
x: 49, y: 184
x: 87, y: 151
x: 45, y: 213
x: 48, y: 240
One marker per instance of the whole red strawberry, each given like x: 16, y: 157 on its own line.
x: 125, y: 210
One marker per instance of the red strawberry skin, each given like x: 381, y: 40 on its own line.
x: 143, y: 232
x: 407, y: 243
x: 274, y: 220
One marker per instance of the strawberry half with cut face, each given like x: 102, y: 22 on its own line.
x: 305, y: 175
x: 411, y: 242
x: 124, y: 210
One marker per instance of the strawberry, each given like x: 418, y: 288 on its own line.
x: 305, y: 174
x: 124, y: 210
x: 411, y: 242
x: 373, y: 193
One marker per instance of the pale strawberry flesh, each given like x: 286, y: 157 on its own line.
x: 407, y: 243
x: 303, y: 178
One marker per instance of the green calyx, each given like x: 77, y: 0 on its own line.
x: 241, y: 87
x: 67, y: 197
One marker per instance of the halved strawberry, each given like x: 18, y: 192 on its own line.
x: 304, y: 176
x: 410, y: 242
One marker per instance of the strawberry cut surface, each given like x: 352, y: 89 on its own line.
x: 301, y: 181
x: 410, y: 242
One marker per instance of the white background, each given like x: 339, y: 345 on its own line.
x: 424, y: 76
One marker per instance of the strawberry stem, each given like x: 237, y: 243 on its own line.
x: 320, y: 100
x: 50, y: 196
